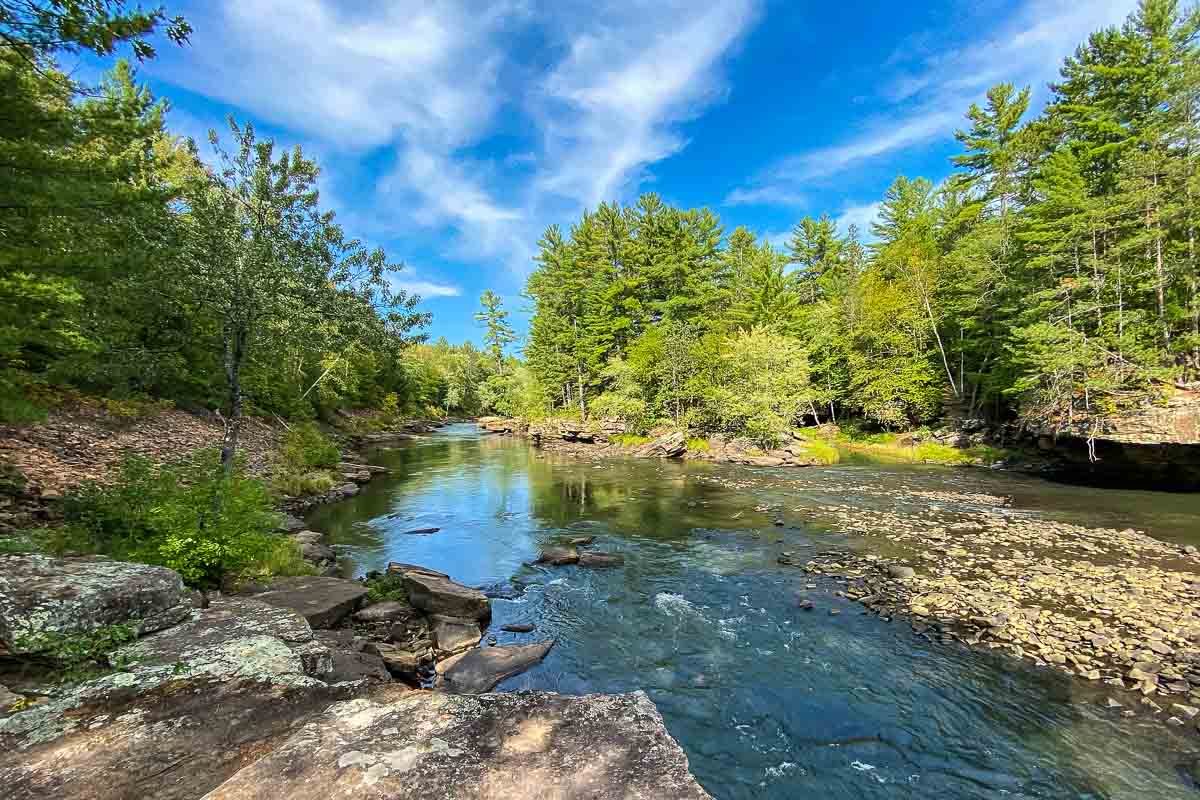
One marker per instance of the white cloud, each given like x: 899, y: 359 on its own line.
x: 426, y: 289
x: 928, y: 102
x: 861, y: 217
x: 610, y: 107
x: 430, y: 81
x: 764, y: 196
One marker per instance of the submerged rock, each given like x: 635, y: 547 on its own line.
x: 481, y: 669
x: 323, y: 601
x: 42, y: 596
x: 525, y: 745
x: 558, y: 556
x: 518, y: 627
x: 598, y: 560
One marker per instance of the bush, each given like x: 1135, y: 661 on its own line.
x: 631, y: 440
x: 305, y: 448
x: 191, y: 518
x: 309, y: 483
x: 79, y: 656
x: 381, y: 587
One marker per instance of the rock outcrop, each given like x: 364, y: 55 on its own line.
x: 519, y: 746
x: 43, y: 597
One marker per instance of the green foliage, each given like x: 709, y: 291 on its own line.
x: 385, y: 586
x: 306, y: 447
x: 821, y: 451
x: 631, y: 439
x: 697, y: 444
x: 75, y: 657
x: 193, y: 518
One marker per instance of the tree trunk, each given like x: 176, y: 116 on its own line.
x: 235, y: 353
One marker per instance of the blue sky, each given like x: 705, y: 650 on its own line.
x: 453, y: 133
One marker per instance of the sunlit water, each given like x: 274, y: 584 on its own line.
x: 768, y: 700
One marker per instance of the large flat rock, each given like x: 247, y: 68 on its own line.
x: 44, y: 597
x: 521, y: 746
x: 196, y: 702
x: 324, y: 602
x: 482, y: 668
x: 436, y: 594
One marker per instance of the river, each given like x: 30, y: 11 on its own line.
x: 767, y: 699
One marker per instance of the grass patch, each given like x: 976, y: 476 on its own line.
x: 76, y: 657
x: 698, y: 445
x: 822, y: 451
x: 630, y: 439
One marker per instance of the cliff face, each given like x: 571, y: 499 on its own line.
x: 1157, y: 446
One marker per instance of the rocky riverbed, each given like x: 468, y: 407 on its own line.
x: 1112, y: 606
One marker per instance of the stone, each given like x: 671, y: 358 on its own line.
x: 346, y: 490
x: 451, y: 634
x: 521, y: 746
x: 518, y: 627
x: 481, y: 669
x: 386, y: 611
x: 317, y: 552
x: 8, y: 699
x: 324, y: 602
x: 41, y: 596
x: 558, y: 556
x: 308, y: 537
x: 582, y: 541
x: 901, y: 571
x: 436, y: 594
x: 351, y: 663
x: 399, y: 662
x: 601, y: 560
x: 290, y: 524
x: 399, y: 568
x: 421, y: 531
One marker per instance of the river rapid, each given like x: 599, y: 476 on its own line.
x: 768, y: 699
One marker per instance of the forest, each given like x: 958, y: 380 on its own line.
x: 1052, y: 277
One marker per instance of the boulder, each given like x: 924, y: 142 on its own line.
x: 421, y: 531
x: 351, y: 661
x: 386, y: 611
x: 399, y: 568
x: 44, y: 597
x: 324, y: 602
x: 558, y: 556
x: 482, y: 668
x: 582, y: 541
x: 601, y: 560
x: 451, y: 634
x: 308, y: 537
x: 521, y: 746
x: 434, y: 593
x: 398, y: 661
x: 317, y: 552
x: 518, y: 627
x: 671, y: 445
x: 346, y: 489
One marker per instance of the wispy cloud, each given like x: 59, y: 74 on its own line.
x: 430, y: 81
x: 860, y: 217
x: 926, y: 101
x: 764, y: 196
x: 426, y: 289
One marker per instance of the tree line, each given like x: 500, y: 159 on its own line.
x: 130, y: 268
x: 1052, y: 277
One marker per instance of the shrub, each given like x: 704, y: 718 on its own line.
x: 305, y: 448
x: 698, y: 445
x: 79, y: 656
x: 383, y: 586
x: 191, y: 518
x: 309, y: 483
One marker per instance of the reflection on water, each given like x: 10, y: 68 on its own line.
x: 768, y: 700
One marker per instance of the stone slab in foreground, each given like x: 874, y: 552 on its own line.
x: 199, y: 701
x: 44, y: 597
x: 521, y: 746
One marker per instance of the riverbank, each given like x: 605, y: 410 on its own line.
x: 819, y: 446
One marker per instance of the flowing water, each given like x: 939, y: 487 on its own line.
x: 768, y: 700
